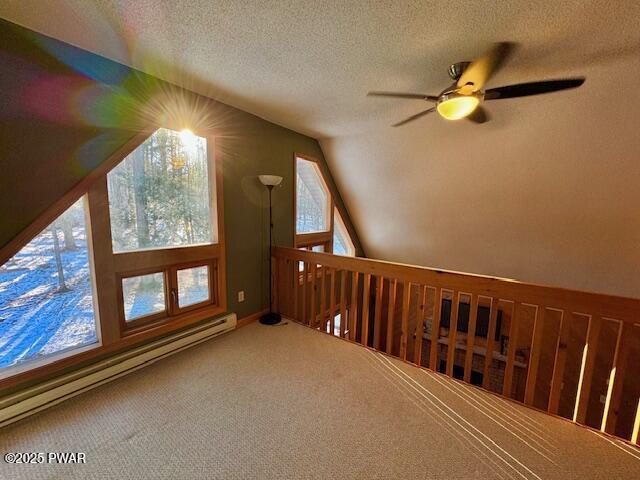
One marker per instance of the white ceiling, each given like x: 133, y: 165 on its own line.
x: 547, y: 191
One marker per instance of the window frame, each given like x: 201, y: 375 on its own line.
x: 325, y: 239
x: 213, y: 208
x: 175, y: 307
x: 35, y: 363
x: 339, y: 224
x: 106, y: 267
x: 136, y: 322
x: 313, y: 238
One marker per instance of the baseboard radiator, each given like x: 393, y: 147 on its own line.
x: 35, y: 399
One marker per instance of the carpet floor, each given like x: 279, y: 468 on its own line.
x: 288, y: 402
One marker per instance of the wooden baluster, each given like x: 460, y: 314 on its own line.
x: 419, y: 332
x: 286, y: 281
x: 393, y: 287
x: 305, y: 278
x: 616, y: 379
x: 534, y: 358
x: 491, y: 333
x: 275, y: 287
x: 511, y: 352
x: 435, y: 331
x: 296, y: 287
x: 314, y: 274
x: 377, y: 314
x: 332, y: 302
x: 586, y: 370
x: 283, y: 279
x: 471, y: 338
x: 353, y: 311
x: 560, y: 362
x: 343, y: 302
x: 366, y: 299
x: 406, y: 298
x: 290, y: 282
x: 635, y: 435
x: 323, y: 299
x: 453, y: 331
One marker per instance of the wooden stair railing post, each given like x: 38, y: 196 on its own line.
x: 275, y: 290
x: 353, y: 311
x: 435, y: 331
x: 453, y: 331
x: 288, y: 288
x: 296, y: 288
x: 323, y: 299
x: 419, y: 332
x: 343, y: 302
x: 616, y: 379
x: 366, y: 300
x: 305, y: 272
x: 558, y: 365
x: 635, y: 435
x: 491, y: 334
x: 586, y: 370
x: 377, y: 314
x: 314, y: 276
x: 332, y: 302
x: 471, y: 338
x: 511, y: 352
x: 534, y: 358
x: 406, y: 298
x: 393, y: 288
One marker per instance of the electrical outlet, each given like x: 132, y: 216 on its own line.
x: 241, y: 296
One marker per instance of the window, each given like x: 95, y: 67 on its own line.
x: 313, y: 201
x: 318, y: 224
x: 143, y: 296
x: 46, y: 293
x: 342, y: 244
x: 159, y: 195
x: 193, y: 286
x: 160, y: 198
x: 151, y: 225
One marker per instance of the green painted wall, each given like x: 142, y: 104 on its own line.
x: 261, y: 148
x: 64, y: 110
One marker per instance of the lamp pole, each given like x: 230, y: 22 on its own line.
x: 272, y: 317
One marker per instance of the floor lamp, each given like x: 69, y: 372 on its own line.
x: 270, y: 181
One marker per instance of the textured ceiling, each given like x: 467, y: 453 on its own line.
x: 546, y: 192
x: 308, y: 65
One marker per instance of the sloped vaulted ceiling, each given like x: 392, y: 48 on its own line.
x: 546, y: 192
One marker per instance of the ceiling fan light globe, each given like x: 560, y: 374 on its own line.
x: 455, y: 106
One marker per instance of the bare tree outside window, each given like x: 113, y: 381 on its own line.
x: 159, y: 195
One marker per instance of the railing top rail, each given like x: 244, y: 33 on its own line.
x: 606, y: 306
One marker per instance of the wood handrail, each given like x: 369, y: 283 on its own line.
x: 398, y: 308
x: 609, y: 306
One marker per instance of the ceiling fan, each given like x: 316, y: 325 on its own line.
x: 464, y: 97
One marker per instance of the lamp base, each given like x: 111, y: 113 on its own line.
x: 270, y: 318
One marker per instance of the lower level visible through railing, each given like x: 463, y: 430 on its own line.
x: 570, y: 353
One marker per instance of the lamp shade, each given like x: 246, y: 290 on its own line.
x: 270, y: 180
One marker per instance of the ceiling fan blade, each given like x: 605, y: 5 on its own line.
x: 532, y: 88
x: 479, y: 115
x: 481, y: 70
x: 419, y: 96
x: 414, y: 117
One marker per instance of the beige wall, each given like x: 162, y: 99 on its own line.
x: 548, y: 192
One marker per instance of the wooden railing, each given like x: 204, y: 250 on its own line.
x: 570, y: 353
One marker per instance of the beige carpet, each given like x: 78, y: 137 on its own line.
x: 291, y: 403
